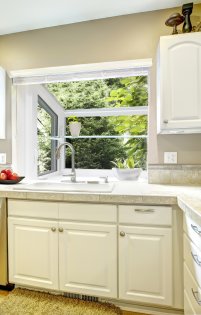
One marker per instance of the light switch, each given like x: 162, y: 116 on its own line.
x: 170, y: 157
x: 2, y: 158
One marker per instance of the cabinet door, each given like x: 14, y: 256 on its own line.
x: 33, y: 252
x: 179, y: 82
x: 145, y: 264
x: 87, y: 259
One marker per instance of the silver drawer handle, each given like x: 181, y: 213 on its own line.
x: 196, y: 296
x: 165, y: 121
x: 196, y: 259
x: 145, y: 210
x: 195, y: 229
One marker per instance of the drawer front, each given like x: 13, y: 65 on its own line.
x: 193, y: 230
x: 188, y: 309
x: 27, y: 208
x: 192, y: 290
x: 192, y: 257
x: 146, y: 215
x: 88, y: 212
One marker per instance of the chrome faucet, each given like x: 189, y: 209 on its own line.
x: 73, y: 173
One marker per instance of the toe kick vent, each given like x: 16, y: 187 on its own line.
x: 81, y: 297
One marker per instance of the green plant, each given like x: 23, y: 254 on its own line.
x: 72, y: 119
x: 127, y: 163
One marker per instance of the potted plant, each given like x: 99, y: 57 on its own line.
x: 126, y: 169
x: 74, y: 126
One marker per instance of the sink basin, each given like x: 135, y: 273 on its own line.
x: 67, y: 187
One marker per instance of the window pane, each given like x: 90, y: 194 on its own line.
x: 112, y: 125
x: 46, y: 127
x: 118, y: 92
x: 101, y: 153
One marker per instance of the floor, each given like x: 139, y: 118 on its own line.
x: 3, y: 292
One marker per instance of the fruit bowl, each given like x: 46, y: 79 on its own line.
x: 11, y: 181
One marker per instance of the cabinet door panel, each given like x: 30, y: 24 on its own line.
x: 179, y: 81
x: 145, y: 265
x: 33, y: 248
x: 87, y: 256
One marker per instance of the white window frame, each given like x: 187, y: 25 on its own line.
x: 24, y: 145
x: 25, y: 142
x: 54, y: 128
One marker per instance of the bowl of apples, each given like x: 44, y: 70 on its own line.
x: 8, y: 177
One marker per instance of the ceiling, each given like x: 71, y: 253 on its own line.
x: 24, y: 15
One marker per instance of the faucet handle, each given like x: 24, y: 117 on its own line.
x: 105, y: 179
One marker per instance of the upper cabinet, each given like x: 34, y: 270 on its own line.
x: 2, y: 103
x: 179, y: 84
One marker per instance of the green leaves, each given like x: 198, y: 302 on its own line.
x: 118, y: 92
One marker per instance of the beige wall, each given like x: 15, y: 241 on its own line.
x: 133, y: 36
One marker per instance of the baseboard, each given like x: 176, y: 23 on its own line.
x: 145, y: 309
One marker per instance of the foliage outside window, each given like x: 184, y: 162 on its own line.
x: 108, y: 93
x: 47, y: 125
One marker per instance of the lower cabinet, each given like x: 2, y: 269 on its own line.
x: 145, y: 264
x: 33, y: 252
x: 73, y: 248
x: 72, y: 257
x: 87, y: 259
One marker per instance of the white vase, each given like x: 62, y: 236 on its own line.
x: 127, y: 173
x: 75, y: 127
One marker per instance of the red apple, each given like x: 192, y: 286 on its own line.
x: 8, y: 172
x: 14, y: 176
x: 3, y: 176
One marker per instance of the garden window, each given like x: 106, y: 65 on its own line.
x: 111, y: 104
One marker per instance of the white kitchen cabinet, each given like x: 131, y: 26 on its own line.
x: 88, y: 258
x: 33, y: 248
x: 192, y: 266
x: 72, y: 247
x: 2, y: 103
x: 178, y: 84
x: 145, y: 264
x: 78, y: 257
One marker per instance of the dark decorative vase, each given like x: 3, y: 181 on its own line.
x: 187, y: 9
x: 174, y: 20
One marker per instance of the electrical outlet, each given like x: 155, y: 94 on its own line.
x: 170, y: 157
x: 2, y: 158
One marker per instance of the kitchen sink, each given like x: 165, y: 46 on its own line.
x: 67, y: 187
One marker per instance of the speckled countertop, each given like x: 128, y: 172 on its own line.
x: 124, y: 192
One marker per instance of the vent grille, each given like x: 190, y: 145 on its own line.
x: 81, y: 297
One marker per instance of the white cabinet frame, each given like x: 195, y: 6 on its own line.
x: 2, y: 103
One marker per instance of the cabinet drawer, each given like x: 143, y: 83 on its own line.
x: 192, y: 290
x: 188, y: 309
x: 193, y: 230
x: 88, y: 212
x: 39, y: 209
x: 192, y: 257
x: 146, y: 215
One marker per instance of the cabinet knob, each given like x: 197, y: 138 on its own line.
x: 122, y: 233
x: 61, y: 230
x: 165, y: 121
x: 53, y: 229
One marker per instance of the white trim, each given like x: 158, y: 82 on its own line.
x: 114, y: 65
x: 25, y: 140
x: 82, y: 72
x: 104, y: 112
x: 2, y: 103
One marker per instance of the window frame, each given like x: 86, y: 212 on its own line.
x: 54, y: 133
x: 24, y: 144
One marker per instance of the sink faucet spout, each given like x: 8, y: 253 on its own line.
x: 58, y: 153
